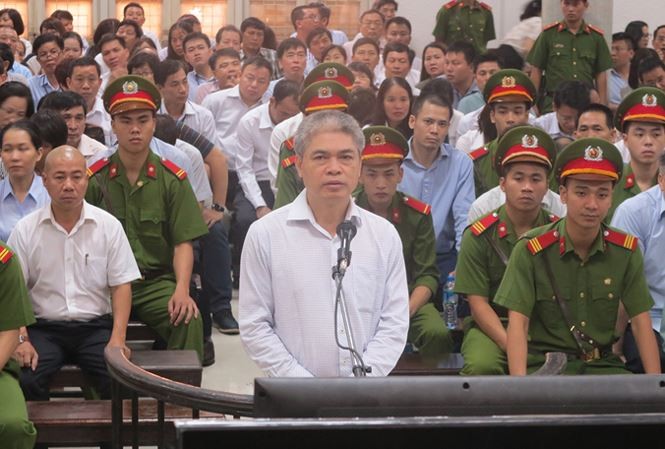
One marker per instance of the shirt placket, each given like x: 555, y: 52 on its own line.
x: 343, y: 355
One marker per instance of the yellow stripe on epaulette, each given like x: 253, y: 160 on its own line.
x: 5, y: 254
x: 484, y: 224
x: 289, y: 161
x: 416, y: 205
x: 173, y: 168
x: 626, y: 241
x: 290, y: 144
x: 94, y: 168
x: 537, y: 244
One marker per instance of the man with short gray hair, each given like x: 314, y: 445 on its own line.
x: 288, y: 322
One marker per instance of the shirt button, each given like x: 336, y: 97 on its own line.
x: 610, y: 295
x: 582, y: 295
x: 574, y: 49
x: 583, y: 323
x: 574, y: 62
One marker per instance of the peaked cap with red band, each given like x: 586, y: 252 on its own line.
x: 324, y: 95
x: 525, y: 144
x: 590, y: 157
x: 131, y: 93
x: 646, y: 104
x: 331, y: 71
x: 383, y: 142
x: 509, y: 85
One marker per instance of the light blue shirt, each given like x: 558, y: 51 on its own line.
x: 644, y: 217
x: 448, y: 187
x: 195, y: 80
x: 617, y: 86
x: 12, y: 210
x: 39, y: 86
x: 471, y: 103
x: 457, y: 95
x: 19, y: 68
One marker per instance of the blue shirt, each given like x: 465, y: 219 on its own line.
x: 457, y: 96
x: 644, y: 217
x: 39, y: 86
x: 195, y: 80
x: 448, y: 187
x: 12, y: 210
x: 19, y: 68
x: 616, y: 87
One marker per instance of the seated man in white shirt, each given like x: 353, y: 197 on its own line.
x: 72, y: 108
x: 569, y: 99
x: 289, y: 324
x: 78, y: 267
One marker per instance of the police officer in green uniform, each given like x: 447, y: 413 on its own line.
x: 156, y: 206
x: 385, y: 149
x: 509, y: 95
x: 641, y: 119
x: 565, y: 281
x: 569, y: 49
x: 524, y: 159
x: 318, y: 96
x: 16, y: 432
x: 465, y: 20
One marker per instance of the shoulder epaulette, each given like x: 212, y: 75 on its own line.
x: 290, y: 144
x: 5, y: 254
x: 596, y: 29
x: 419, y: 206
x: 630, y: 181
x: 450, y: 4
x: 485, y: 6
x: 484, y: 223
x: 620, y: 239
x: 537, y: 244
x: 477, y: 154
x: 94, y: 168
x: 173, y: 168
x: 289, y: 161
x: 551, y: 25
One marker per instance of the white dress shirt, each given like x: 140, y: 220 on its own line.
x: 495, y: 197
x: 197, y: 165
x: 99, y: 117
x: 69, y: 275
x: 282, y: 131
x: 550, y: 124
x: 287, y: 294
x: 254, y: 131
x: 198, y: 118
x: 89, y: 147
x: 227, y: 108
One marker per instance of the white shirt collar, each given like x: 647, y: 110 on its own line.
x: 46, y: 214
x: 300, y: 211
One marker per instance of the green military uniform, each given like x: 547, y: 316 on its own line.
x: 562, y: 56
x: 505, y: 86
x: 318, y: 96
x: 16, y: 432
x: 457, y: 21
x: 613, y: 272
x: 486, y: 247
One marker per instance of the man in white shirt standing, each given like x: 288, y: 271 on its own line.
x: 75, y: 258
x: 287, y: 296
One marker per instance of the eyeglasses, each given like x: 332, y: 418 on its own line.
x: 53, y: 53
x: 312, y: 17
x: 372, y: 23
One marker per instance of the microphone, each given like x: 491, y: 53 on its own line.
x: 346, y: 231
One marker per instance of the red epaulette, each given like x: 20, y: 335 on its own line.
x: 630, y: 181
x: 479, y: 153
x: 485, y: 6
x: 290, y: 144
x: 173, y: 168
x: 289, y: 161
x: 419, y: 206
x: 484, y: 223
x: 620, y: 239
x: 5, y: 254
x: 537, y: 244
x: 550, y: 26
x: 553, y: 218
x: 450, y: 4
x: 94, y: 168
x: 596, y: 29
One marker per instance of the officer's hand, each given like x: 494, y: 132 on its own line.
x: 26, y: 355
x: 262, y: 211
x: 182, y: 307
x: 211, y: 216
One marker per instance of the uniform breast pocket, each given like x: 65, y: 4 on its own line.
x: 561, y: 53
x: 153, y: 223
x: 604, y: 305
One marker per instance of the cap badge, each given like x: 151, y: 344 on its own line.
x: 377, y: 139
x: 529, y: 141
x: 649, y: 100
x: 594, y: 154
x: 508, y: 81
x: 331, y: 72
x: 130, y: 87
x: 324, y: 92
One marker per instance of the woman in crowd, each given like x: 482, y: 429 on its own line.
x: 363, y: 76
x: 393, y: 104
x: 639, y: 31
x: 15, y: 103
x: 131, y: 32
x: 12, y: 18
x: 177, y: 33
x: 334, y: 53
x: 434, y: 62
x: 73, y: 45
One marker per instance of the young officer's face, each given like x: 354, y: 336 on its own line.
x: 380, y: 183
x: 525, y: 185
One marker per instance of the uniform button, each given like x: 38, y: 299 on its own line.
x: 553, y: 298
x: 582, y: 295
x: 574, y: 49
x: 574, y: 62
x: 583, y: 323
x: 558, y: 54
x: 139, y: 183
x: 575, y: 76
x: 610, y: 295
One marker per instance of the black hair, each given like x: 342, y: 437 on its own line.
x: 62, y: 101
x: 339, y: 48
x: 52, y: 128
x: 132, y: 5
x: 379, y: 3
x: 357, y: 66
x: 228, y: 52
x: 137, y: 28
x: 73, y: 35
x: 257, y: 61
x: 288, y: 44
x: 179, y: 25
x: 440, y: 87
x: 45, y: 39
x: 510, y: 57
x: 29, y: 127
x: 532, y: 9
x: 252, y: 22
x: 634, y: 30
x: 465, y: 48
x: 647, y: 65
x: 399, y: 20
x: 379, y: 111
x: 284, y: 89
x: 297, y: 13
x: 621, y: 36
x: 195, y: 35
x: 365, y: 41
x: 84, y: 61
x: 361, y: 105
x: 488, y: 56
x: 640, y: 55
x: 6, y: 54
x: 655, y: 32
x: 136, y: 48
x: 397, y: 47
x: 62, y: 14
x: 143, y: 58
x: 423, y: 73
x: 316, y: 32
x: 231, y: 28
x: 106, y: 26
x: 269, y: 39
x: 61, y: 71
x: 600, y: 108
x: 110, y: 38
x: 167, y: 68
x: 431, y: 98
x: 574, y: 94
x: 372, y: 11
x: 16, y: 89
x: 16, y: 19
x: 52, y: 24
x: 166, y: 129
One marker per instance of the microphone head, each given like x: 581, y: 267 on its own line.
x: 346, y: 229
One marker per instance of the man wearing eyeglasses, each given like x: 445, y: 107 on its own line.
x: 48, y: 48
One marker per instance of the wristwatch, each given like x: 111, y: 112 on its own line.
x: 22, y: 338
x: 218, y: 207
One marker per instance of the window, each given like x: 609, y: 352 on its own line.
x: 81, y: 10
x: 276, y: 14
x: 212, y: 14
x: 344, y: 16
x: 22, y: 8
x: 153, y: 14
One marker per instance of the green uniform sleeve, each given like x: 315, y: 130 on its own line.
x: 14, y: 300
x: 471, y: 272
x: 185, y: 220
x: 603, y: 56
x: 539, y: 53
x: 489, y: 28
x: 441, y: 28
x: 422, y: 266
x: 635, y: 295
x: 517, y: 290
x: 289, y: 186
